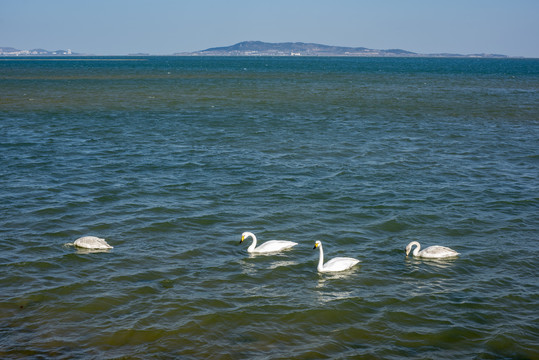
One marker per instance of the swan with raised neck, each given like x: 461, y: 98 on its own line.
x: 335, y: 264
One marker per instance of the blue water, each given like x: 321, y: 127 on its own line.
x: 172, y: 158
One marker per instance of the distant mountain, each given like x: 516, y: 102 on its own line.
x: 9, y: 51
x: 259, y: 48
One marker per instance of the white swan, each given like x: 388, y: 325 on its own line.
x: 432, y: 252
x: 91, y: 242
x: 267, y: 247
x: 335, y: 264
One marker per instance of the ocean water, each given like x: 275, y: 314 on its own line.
x: 172, y: 158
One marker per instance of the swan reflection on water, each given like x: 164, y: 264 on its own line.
x: 323, y: 288
x: 83, y: 251
x: 331, y: 277
x: 443, y: 263
x: 430, y: 276
x: 283, y: 263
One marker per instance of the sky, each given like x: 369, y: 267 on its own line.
x: 163, y: 27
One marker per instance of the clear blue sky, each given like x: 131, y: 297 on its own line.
x: 117, y: 27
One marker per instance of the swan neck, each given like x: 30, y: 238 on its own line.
x: 416, y: 250
x: 251, y: 248
x: 321, y: 260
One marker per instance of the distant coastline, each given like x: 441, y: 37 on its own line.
x: 259, y: 48
x: 9, y: 51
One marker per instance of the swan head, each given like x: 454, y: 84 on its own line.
x: 245, y: 235
x: 317, y: 244
x: 410, y: 245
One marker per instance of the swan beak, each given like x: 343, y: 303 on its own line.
x: 242, y: 238
x: 315, y: 246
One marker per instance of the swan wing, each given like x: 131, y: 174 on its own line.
x: 274, y: 246
x: 340, y: 264
x: 437, y: 252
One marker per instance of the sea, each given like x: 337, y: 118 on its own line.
x: 171, y: 159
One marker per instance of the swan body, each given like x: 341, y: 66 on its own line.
x: 92, y: 242
x: 335, y: 264
x: 432, y: 252
x: 267, y: 247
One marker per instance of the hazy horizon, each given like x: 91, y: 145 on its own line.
x: 75, y: 52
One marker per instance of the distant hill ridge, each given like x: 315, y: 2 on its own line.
x: 298, y: 49
x: 260, y: 48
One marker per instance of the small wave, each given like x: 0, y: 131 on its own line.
x: 392, y: 225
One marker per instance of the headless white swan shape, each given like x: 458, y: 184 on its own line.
x: 335, y: 264
x: 91, y: 242
x: 432, y: 252
x: 270, y: 246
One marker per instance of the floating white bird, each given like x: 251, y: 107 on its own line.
x: 335, y: 264
x: 91, y: 242
x: 267, y: 247
x: 433, y: 252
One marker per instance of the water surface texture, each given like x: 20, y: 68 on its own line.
x: 171, y: 159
